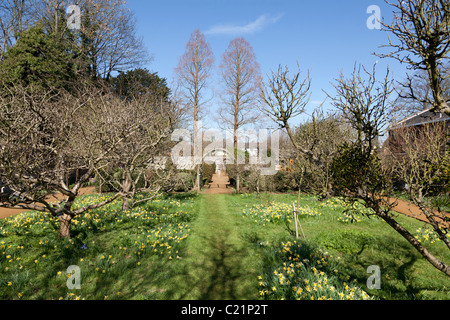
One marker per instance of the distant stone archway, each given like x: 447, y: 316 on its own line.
x: 219, y: 156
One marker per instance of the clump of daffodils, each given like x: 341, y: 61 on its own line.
x: 350, y: 212
x: 307, y: 274
x: 276, y: 212
x: 427, y: 235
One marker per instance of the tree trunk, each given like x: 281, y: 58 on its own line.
x: 125, y: 203
x: 416, y: 244
x: 235, y: 146
x: 257, y: 183
x: 237, y: 180
x: 198, y: 187
x: 126, y: 188
x: 100, y: 183
x: 64, y: 227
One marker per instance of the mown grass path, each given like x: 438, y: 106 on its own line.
x: 218, y: 265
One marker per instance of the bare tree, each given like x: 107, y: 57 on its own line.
x: 45, y: 140
x: 137, y: 162
x: 415, y: 95
x: 365, y: 103
x: 193, y: 70
x: 49, y: 136
x: 241, y: 77
x: 417, y: 157
x: 358, y: 171
x: 107, y: 40
x: 285, y: 97
x: 322, y: 137
x: 15, y: 16
x: 422, y: 29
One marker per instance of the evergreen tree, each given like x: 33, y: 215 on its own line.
x: 138, y: 82
x: 39, y: 59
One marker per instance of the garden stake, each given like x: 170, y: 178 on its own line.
x: 297, y: 221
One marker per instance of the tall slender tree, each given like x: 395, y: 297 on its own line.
x: 241, y: 79
x: 193, y: 70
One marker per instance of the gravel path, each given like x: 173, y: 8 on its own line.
x: 220, y: 184
x: 412, y: 210
x: 4, y: 212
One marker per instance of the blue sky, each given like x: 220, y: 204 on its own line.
x: 324, y: 36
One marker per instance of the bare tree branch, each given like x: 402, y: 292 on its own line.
x: 422, y: 29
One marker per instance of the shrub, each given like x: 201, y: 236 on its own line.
x: 184, y: 182
x: 280, y: 182
x: 207, y: 172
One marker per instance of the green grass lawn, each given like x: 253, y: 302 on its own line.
x: 217, y: 247
x: 359, y: 242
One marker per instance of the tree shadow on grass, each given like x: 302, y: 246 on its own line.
x: 216, y: 272
x: 226, y: 272
x: 397, y: 269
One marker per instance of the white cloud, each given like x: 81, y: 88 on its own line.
x: 250, y: 28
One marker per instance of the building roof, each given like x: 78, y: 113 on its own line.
x: 420, y: 118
